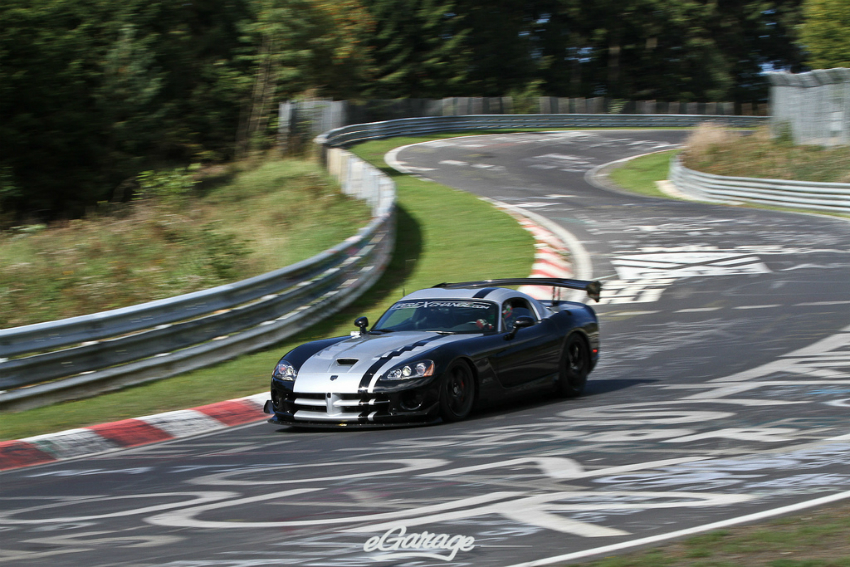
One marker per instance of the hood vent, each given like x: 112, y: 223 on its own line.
x: 346, y: 361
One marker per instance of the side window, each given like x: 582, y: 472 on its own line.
x: 513, y: 308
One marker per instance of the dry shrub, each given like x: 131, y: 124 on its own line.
x: 707, y: 141
x: 713, y: 149
x: 240, y: 226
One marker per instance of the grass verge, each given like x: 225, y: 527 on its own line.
x: 640, y: 174
x: 817, y: 538
x: 717, y: 150
x: 235, y: 225
x: 442, y: 235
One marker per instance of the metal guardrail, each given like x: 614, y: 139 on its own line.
x: 355, y: 133
x: 71, y: 358
x: 833, y: 197
x: 60, y: 360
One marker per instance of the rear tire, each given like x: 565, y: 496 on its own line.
x: 574, y: 367
x: 457, y: 392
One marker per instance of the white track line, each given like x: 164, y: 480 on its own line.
x: 690, y: 531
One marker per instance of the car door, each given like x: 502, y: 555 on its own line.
x: 532, y: 353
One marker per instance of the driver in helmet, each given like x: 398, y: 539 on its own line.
x: 508, y: 316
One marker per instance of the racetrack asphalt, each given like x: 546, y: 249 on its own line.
x: 722, y: 396
x: 551, y: 260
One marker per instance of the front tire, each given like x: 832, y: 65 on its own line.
x: 457, y: 392
x: 574, y: 367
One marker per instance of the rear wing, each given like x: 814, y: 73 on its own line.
x: 593, y: 288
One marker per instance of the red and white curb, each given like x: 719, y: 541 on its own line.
x: 550, y: 258
x: 554, y: 248
x: 106, y: 437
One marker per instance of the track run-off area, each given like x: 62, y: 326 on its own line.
x: 722, y: 396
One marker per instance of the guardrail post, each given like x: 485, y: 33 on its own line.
x: 163, y: 338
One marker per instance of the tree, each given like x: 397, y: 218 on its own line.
x: 418, y: 49
x: 825, y: 33
x: 302, y: 46
x: 676, y: 50
x: 50, y: 147
x: 500, y: 45
x: 93, y: 91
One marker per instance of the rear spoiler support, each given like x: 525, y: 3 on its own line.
x: 593, y: 288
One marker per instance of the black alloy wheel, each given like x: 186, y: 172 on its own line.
x: 457, y: 392
x: 574, y: 368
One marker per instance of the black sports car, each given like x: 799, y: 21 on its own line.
x: 436, y: 353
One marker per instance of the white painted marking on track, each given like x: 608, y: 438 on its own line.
x: 561, y: 467
x: 634, y: 291
x: 186, y: 516
x: 407, y: 466
x: 757, y: 434
x: 698, y: 310
x: 686, y: 532
x: 644, y: 276
x: 819, y: 360
x: 545, y: 504
x: 541, y: 517
x: 198, y: 498
x: 616, y: 313
x: 744, y: 307
x: 417, y: 169
x: 687, y: 264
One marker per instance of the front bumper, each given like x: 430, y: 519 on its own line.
x: 404, y: 407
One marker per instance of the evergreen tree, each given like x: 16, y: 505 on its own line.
x: 418, y: 48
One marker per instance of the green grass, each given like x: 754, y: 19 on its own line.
x: 235, y: 226
x: 778, y: 160
x: 723, y: 152
x: 640, y: 174
x: 442, y: 235
x: 817, y: 538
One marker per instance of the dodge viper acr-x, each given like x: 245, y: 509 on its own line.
x: 438, y: 352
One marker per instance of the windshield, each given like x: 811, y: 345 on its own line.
x: 440, y: 315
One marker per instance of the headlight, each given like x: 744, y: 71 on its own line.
x: 413, y: 370
x: 285, y: 371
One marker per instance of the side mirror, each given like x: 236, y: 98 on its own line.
x: 520, y: 323
x: 362, y: 323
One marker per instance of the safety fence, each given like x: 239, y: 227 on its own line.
x: 814, y: 105
x: 81, y: 356
x: 314, y: 116
x: 356, y: 133
x: 833, y: 197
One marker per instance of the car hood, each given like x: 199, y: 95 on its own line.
x: 341, y: 367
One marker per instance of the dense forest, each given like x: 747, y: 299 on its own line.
x: 92, y: 92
